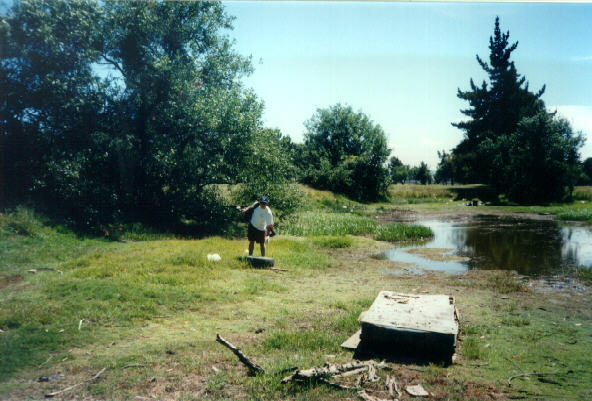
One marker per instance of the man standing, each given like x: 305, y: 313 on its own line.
x: 261, y: 221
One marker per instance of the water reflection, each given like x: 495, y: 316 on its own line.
x: 531, y: 247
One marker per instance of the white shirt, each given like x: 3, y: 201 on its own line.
x: 261, y: 218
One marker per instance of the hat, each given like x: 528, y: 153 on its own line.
x: 264, y: 199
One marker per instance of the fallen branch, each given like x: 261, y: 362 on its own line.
x: 134, y: 365
x: 329, y: 370
x: 287, y: 370
x: 531, y: 374
x: 367, y: 397
x: 352, y: 372
x: 338, y: 385
x: 95, y: 377
x: 392, y: 387
x: 253, y: 367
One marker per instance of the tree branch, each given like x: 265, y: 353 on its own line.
x: 95, y: 377
x: 250, y: 364
x: 114, y: 64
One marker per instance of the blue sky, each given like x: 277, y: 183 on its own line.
x: 401, y: 63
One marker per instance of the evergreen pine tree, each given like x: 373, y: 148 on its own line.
x: 495, y: 109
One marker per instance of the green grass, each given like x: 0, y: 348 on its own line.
x: 106, y: 284
x: 327, y: 223
x: 332, y: 241
x: 347, y: 223
x: 402, y: 232
x: 159, y: 303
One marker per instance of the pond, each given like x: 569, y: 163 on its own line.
x: 532, y: 247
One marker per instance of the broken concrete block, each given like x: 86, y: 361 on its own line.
x: 416, y: 324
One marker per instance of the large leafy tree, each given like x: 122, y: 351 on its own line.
x: 346, y: 152
x: 510, y: 141
x: 148, y: 142
x: 181, y: 102
x: 543, y: 162
x: 50, y: 96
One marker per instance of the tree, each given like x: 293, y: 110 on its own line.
x: 511, y: 142
x: 422, y: 174
x: 544, y: 161
x: 587, y: 172
x: 50, y: 98
x: 148, y: 141
x: 445, y: 171
x: 269, y: 170
x: 346, y: 152
x: 495, y: 109
x: 399, y: 172
x: 182, y: 103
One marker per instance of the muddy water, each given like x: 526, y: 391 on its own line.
x: 530, y: 247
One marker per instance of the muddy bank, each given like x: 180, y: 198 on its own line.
x: 459, y: 214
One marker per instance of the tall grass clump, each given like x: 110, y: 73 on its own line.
x: 472, y: 349
x: 402, y: 232
x: 323, y: 223
x: 504, y: 282
x: 576, y: 214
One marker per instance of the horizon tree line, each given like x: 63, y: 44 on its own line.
x: 153, y: 140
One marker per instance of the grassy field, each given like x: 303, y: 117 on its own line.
x: 148, y: 312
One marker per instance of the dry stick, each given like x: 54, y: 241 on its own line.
x: 352, y: 372
x: 367, y: 397
x: 250, y: 364
x: 391, y: 384
x: 531, y: 374
x: 338, y: 385
x: 134, y: 365
x: 330, y: 370
x: 95, y: 377
x: 372, y: 374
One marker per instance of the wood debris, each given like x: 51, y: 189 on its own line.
x: 332, y: 370
x: 253, y: 367
x: 95, y: 377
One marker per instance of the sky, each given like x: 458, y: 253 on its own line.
x: 401, y: 63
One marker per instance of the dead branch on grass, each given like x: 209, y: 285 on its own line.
x: 391, y: 386
x: 95, y: 377
x: 331, y: 370
x: 367, y: 397
x: 253, y: 367
x: 134, y: 365
x: 540, y: 374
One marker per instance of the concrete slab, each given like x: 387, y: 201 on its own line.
x: 352, y: 342
x: 423, y: 324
